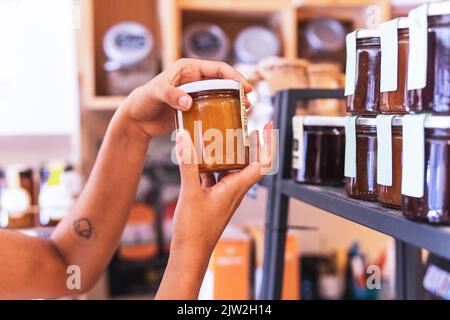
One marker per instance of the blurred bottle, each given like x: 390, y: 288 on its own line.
x: 55, y: 198
x: 16, y: 198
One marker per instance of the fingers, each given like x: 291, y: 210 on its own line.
x: 187, y: 161
x: 208, y: 180
x: 174, y: 97
x: 214, y: 69
x: 239, y: 183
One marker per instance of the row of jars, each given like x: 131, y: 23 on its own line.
x: 404, y: 67
x: 29, y: 199
x: 403, y: 162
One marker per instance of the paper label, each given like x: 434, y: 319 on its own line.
x: 389, y: 55
x: 384, y: 150
x: 244, y: 120
x: 437, y: 281
x: 350, y: 147
x: 297, y: 149
x: 418, y: 48
x: 413, y: 175
x: 350, y: 71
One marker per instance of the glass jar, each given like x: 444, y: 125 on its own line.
x: 435, y: 97
x: 217, y: 123
x: 398, y: 101
x: 391, y: 196
x: 366, y: 97
x: 364, y: 185
x: 131, y: 59
x: 434, y: 206
x: 318, y: 150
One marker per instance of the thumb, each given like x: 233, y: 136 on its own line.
x: 187, y: 161
x: 174, y: 97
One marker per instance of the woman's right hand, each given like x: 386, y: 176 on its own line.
x: 204, y: 208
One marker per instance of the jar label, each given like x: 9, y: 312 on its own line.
x: 389, y: 55
x: 384, y: 150
x: 297, y: 148
x: 413, y: 177
x: 418, y: 48
x: 350, y: 147
x: 244, y: 120
x: 350, y: 72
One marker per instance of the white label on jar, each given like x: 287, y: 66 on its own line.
x: 297, y: 149
x: 413, y: 175
x: 244, y: 117
x: 418, y: 48
x: 437, y: 281
x: 384, y: 150
x: 179, y: 119
x: 389, y: 55
x: 350, y: 147
x: 350, y: 72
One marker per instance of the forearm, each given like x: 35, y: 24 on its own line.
x: 89, y: 235
x: 184, y: 274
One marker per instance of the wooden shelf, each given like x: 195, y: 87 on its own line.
x: 98, y: 16
x: 238, y: 6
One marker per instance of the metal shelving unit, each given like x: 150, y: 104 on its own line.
x: 410, y: 237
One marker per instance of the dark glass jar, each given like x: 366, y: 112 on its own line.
x: 397, y: 102
x: 434, y: 206
x: 322, y: 148
x: 366, y: 98
x: 391, y: 196
x: 364, y: 185
x: 435, y: 97
x: 217, y: 123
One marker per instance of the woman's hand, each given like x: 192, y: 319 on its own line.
x: 204, y: 208
x: 150, y: 107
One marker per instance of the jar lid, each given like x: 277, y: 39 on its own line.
x: 206, y: 41
x: 437, y: 122
x: 397, y: 122
x: 255, y: 43
x: 325, y: 34
x: 439, y: 8
x: 367, y: 33
x: 205, y: 85
x: 127, y: 43
x: 402, y: 23
x: 366, y: 121
x: 324, y: 121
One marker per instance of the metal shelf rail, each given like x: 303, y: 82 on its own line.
x: 409, y: 236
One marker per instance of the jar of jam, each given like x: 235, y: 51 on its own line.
x: 435, y: 95
x: 364, y: 185
x: 397, y: 101
x: 217, y: 123
x: 365, y: 99
x: 318, y: 150
x: 391, y: 196
x: 434, y: 206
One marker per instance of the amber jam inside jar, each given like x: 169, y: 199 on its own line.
x: 391, y: 196
x: 364, y: 185
x: 434, y: 206
x: 435, y: 97
x: 397, y: 102
x: 217, y: 125
x: 366, y: 98
x: 318, y: 153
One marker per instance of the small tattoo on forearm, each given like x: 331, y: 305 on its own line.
x: 83, y: 227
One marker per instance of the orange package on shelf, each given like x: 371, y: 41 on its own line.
x: 139, y: 240
x: 291, y: 274
x: 229, y: 273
